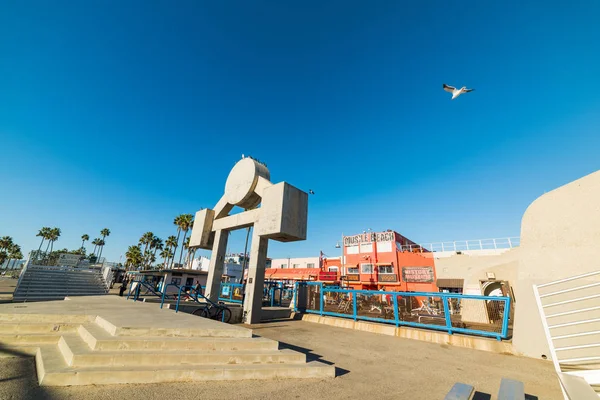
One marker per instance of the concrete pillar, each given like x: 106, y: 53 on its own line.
x: 215, y: 269
x: 256, y: 278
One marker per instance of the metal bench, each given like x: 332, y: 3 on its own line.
x: 459, y: 391
x: 511, y: 390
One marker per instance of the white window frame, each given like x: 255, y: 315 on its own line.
x: 295, y: 265
x: 350, y: 270
x: 362, y: 268
x: 385, y: 273
x: 310, y: 265
x: 283, y: 266
x: 366, y: 248
x: 332, y: 269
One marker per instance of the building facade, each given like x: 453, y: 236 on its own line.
x: 305, y: 262
x: 381, y: 260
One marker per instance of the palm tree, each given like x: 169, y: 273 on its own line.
x: 171, y: 244
x: 84, y: 238
x: 186, y: 222
x: 43, y: 233
x: 133, y: 257
x: 104, y: 232
x: 96, y: 242
x: 14, y: 253
x: 166, y: 254
x: 54, y: 235
x: 157, y: 244
x: 6, y: 242
x: 146, y: 240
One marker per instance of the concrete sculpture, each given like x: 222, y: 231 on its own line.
x: 282, y: 216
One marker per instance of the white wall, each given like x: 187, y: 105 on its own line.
x: 290, y: 262
x: 560, y: 236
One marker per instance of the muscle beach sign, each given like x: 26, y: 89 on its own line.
x: 369, y: 238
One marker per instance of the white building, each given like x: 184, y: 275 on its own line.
x: 232, y: 272
x: 305, y: 262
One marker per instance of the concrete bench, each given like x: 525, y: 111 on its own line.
x: 511, y: 390
x: 459, y: 391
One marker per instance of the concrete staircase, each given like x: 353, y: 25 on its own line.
x: 137, y: 343
x: 40, y: 283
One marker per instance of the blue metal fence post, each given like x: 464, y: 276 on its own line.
x: 162, y: 301
x: 505, y: 318
x: 321, y: 295
x: 295, y: 296
x: 396, y: 316
x: 178, y: 298
x: 447, y: 314
x: 354, y: 312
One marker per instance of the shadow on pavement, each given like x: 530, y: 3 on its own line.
x: 18, y: 378
x: 310, y: 356
x: 487, y: 396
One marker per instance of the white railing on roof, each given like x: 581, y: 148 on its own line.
x: 466, y: 245
x: 570, y: 313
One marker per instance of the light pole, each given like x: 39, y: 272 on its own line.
x: 341, y: 246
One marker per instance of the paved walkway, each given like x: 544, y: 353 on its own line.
x: 369, y: 366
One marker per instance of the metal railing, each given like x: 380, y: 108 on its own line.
x: 466, y: 245
x: 232, y: 292
x: 570, y: 312
x: 453, y: 313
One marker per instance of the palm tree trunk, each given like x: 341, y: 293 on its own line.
x: 176, y: 245
x: 94, y: 252
x: 82, y: 243
x: 40, y: 248
x: 182, y: 245
x: 48, y: 246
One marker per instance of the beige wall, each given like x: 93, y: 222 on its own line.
x: 560, y: 237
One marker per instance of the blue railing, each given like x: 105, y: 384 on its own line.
x: 231, y: 292
x: 453, y: 313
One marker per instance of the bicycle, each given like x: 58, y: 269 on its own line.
x: 217, y: 311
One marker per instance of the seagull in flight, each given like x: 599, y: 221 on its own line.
x: 456, y: 92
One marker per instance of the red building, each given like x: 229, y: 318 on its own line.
x: 384, y: 260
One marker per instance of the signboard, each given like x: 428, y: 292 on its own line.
x: 417, y: 274
x: 369, y: 238
x: 352, y: 278
x: 225, y: 291
x: 68, y: 260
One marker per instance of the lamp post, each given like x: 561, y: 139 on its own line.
x: 341, y: 246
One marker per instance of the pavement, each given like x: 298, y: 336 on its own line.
x: 367, y: 366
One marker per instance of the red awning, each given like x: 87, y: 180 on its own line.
x: 297, y: 274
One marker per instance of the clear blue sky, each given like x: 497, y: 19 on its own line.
x: 123, y: 114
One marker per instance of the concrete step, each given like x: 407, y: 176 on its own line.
x: 78, y: 354
x: 100, y: 340
x: 25, y: 328
x: 53, y: 370
x: 179, y: 329
x: 60, y: 291
x: 42, y: 318
x: 10, y: 340
x: 34, y: 298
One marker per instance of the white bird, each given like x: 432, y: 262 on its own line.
x: 456, y: 92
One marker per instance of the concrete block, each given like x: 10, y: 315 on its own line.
x: 202, y: 235
x: 284, y: 213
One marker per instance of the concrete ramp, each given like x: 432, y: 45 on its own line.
x: 107, y: 340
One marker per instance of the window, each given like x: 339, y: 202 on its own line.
x: 332, y: 269
x: 366, y: 247
x: 295, y: 265
x: 310, y: 265
x: 366, y: 268
x: 352, y: 250
x: 385, y: 269
x: 352, y: 270
x: 176, y: 281
x: 283, y: 265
